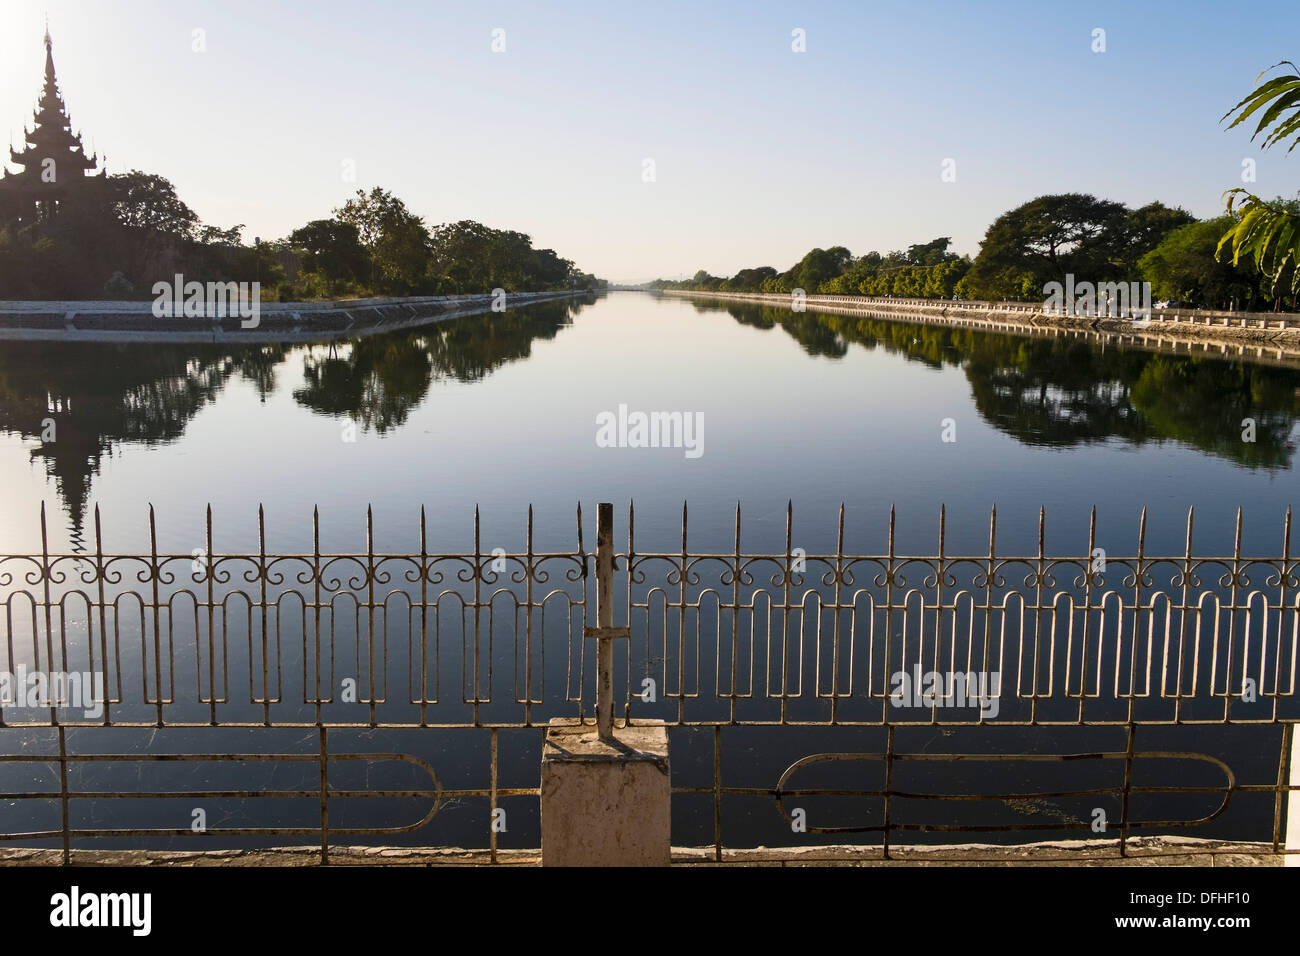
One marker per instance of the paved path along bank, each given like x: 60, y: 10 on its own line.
x: 95, y: 321
x: 1266, y: 336
x: 1142, y: 852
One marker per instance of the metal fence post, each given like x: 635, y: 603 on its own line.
x: 605, y: 632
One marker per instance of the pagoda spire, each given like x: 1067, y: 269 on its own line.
x: 52, y: 138
x: 53, y: 161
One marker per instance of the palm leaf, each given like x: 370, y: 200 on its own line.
x: 1262, y: 94
x: 1285, y: 101
x: 1267, y: 234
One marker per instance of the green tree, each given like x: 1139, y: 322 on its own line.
x: 332, y: 250
x: 1143, y: 230
x: 931, y: 253
x: 749, y: 280
x: 394, y: 237
x: 1045, y: 238
x: 819, y: 266
x: 149, y: 202
x: 1185, y: 267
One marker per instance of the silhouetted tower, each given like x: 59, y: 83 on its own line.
x: 54, y: 163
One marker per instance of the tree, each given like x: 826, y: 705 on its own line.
x: 332, y: 250
x: 394, y: 237
x: 705, y: 282
x: 1269, y: 233
x: 931, y: 253
x: 231, y: 238
x: 818, y: 266
x: 1046, y: 238
x: 1143, y: 230
x: 749, y: 280
x: 468, y: 256
x: 145, y: 201
x: 1184, y: 267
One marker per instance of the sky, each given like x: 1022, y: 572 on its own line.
x: 652, y: 140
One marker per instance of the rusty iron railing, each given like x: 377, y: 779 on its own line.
x: 459, y: 646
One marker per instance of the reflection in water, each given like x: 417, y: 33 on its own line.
x: 77, y: 399
x: 98, y: 395
x: 1065, y: 391
x: 378, y: 381
x: 1057, y: 392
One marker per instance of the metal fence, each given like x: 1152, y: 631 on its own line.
x: 792, y: 646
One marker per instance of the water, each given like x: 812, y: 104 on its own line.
x: 500, y: 411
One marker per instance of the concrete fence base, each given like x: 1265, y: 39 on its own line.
x: 606, y: 802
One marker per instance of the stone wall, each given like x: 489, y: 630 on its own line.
x: 134, y: 321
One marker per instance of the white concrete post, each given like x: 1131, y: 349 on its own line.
x: 606, y: 790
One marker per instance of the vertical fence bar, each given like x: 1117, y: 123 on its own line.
x: 786, y: 584
x: 836, y: 623
x: 46, y: 574
x: 717, y: 793
x: 627, y: 603
x: 1182, y: 625
x: 581, y: 558
x: 938, y: 608
x: 528, y: 625
x: 262, y: 581
x: 492, y: 796
x: 1040, y: 573
x: 63, y: 793
x: 103, y: 623
x: 889, y: 624
x: 1128, y: 784
x: 424, y: 620
x: 889, y: 787
x: 1090, y: 583
x: 316, y: 606
x: 681, y: 626
x: 478, y: 597
x: 1283, y: 580
x: 155, y: 574
x: 324, y: 797
x: 735, y: 624
x: 211, y: 573
x: 1283, y: 767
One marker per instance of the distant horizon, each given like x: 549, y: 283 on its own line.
x: 759, y: 152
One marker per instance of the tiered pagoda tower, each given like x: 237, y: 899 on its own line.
x: 54, y: 163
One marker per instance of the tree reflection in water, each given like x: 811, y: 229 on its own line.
x: 1065, y: 391
x: 102, y: 395
x: 1057, y: 392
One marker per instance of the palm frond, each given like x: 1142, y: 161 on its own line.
x: 1261, y: 231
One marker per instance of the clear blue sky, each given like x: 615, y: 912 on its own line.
x: 760, y: 153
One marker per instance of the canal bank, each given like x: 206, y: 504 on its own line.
x: 124, y: 322
x: 1142, y: 852
x: 1264, y: 336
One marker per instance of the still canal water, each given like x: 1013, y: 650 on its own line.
x: 499, y: 411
